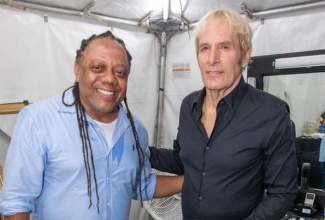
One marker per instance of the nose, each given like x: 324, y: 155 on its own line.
x: 214, y: 56
x: 109, y: 77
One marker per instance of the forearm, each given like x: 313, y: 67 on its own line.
x: 19, y: 216
x: 167, y: 160
x: 168, y: 186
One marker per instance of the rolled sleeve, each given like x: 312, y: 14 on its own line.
x: 23, y: 168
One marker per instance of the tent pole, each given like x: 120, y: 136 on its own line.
x: 280, y: 10
x: 288, y: 9
x: 44, y: 8
x: 160, y: 106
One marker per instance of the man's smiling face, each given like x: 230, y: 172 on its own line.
x: 102, y: 74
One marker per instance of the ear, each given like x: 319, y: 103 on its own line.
x: 76, y: 69
x: 246, y: 58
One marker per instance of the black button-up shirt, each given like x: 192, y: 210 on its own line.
x: 247, y: 169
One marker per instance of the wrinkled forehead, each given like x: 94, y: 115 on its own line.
x: 216, y: 30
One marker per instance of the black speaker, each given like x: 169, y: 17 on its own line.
x: 305, y: 170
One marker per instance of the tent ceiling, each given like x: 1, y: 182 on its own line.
x: 181, y: 12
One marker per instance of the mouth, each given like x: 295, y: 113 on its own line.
x: 105, y: 92
x: 214, y: 72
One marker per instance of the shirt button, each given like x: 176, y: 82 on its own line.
x: 200, y: 197
x: 203, y: 173
x: 207, y: 148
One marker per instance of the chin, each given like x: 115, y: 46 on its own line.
x: 215, y: 86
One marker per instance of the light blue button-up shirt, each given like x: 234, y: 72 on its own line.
x: 45, y: 171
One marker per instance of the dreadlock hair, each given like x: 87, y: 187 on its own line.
x: 138, y: 147
x: 107, y: 34
x: 83, y: 125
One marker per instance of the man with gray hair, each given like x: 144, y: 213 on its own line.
x: 235, y: 144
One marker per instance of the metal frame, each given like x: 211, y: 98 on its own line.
x: 261, y: 66
x: 5, y: 136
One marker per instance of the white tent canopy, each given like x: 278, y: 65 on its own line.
x: 40, y: 38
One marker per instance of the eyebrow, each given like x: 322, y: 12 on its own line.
x: 220, y: 43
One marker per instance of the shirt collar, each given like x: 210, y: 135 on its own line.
x: 232, y: 99
x: 198, y: 100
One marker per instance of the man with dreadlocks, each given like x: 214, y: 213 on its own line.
x: 82, y: 155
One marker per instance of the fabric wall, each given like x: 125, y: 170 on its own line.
x: 302, y: 31
x: 36, y: 61
x: 180, y: 51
